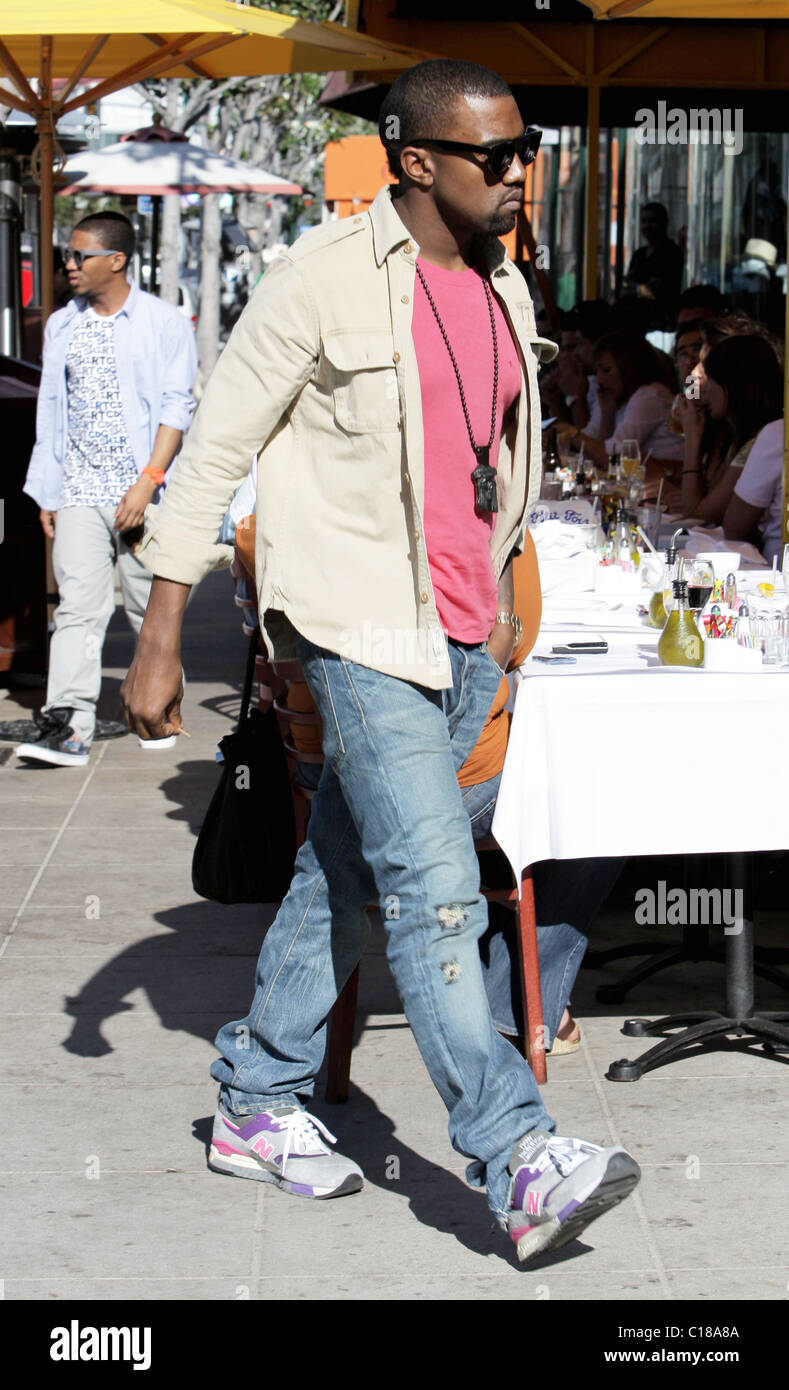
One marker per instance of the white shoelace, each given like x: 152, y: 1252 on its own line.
x: 302, y: 1135
x: 566, y: 1154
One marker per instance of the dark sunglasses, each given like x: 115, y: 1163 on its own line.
x: 70, y: 254
x: 498, y: 155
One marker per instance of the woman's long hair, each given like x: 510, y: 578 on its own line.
x: 636, y: 360
x: 750, y: 374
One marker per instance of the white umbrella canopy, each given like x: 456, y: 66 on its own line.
x: 157, y: 167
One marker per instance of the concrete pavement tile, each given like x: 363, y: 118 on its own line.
x: 740, y: 1284
x: 96, y: 988
x: 726, y: 1217
x: 25, y: 846
x: 135, y: 1226
x: 123, y: 888
x: 116, y: 846
x: 196, y: 929
x: 129, y: 1049
x: 38, y: 813
x: 149, y: 1129
x: 82, y: 1288
x: 702, y: 1116
x: 510, y: 1286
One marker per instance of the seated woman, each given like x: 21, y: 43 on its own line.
x: 635, y: 398
x: 740, y: 391
x: 755, y: 508
x: 567, y: 893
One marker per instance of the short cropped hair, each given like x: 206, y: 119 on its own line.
x: 112, y: 229
x: 420, y: 101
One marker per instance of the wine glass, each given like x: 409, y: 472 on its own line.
x: 629, y: 458
x: 785, y: 568
x: 700, y: 578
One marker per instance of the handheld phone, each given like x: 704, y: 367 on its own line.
x: 582, y: 648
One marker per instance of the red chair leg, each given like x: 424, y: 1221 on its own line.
x: 530, y: 980
x: 341, y: 1024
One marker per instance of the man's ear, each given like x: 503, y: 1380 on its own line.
x: 417, y: 165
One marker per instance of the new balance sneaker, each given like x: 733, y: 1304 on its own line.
x: 560, y: 1186
x: 57, y: 742
x: 283, y: 1146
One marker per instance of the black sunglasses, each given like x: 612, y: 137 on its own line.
x: 498, y: 155
x: 70, y: 254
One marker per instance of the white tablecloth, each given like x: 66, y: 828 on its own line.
x: 619, y: 755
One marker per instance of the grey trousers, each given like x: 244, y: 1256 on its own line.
x: 84, y: 555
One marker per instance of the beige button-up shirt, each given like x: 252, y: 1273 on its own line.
x: 320, y: 380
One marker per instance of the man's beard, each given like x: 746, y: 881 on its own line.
x: 501, y: 223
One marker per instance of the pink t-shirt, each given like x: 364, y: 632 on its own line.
x: 457, y: 536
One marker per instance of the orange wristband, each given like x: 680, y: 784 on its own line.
x: 156, y: 473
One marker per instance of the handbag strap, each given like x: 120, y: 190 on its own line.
x: 249, y: 676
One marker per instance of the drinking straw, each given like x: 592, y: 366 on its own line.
x: 646, y: 540
x: 659, y: 495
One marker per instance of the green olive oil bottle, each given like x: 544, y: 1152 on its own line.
x: 680, y: 642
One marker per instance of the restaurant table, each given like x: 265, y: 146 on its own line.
x: 618, y: 755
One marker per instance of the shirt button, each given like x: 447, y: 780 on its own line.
x: 406, y: 478
x: 357, y: 220
x: 408, y: 246
x: 417, y: 535
x: 404, y: 299
x: 424, y: 596
x: 396, y: 357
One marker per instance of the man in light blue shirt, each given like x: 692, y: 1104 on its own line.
x: 115, y: 399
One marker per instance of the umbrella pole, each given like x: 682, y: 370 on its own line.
x: 47, y: 218
x: 591, y: 210
x: 155, y: 215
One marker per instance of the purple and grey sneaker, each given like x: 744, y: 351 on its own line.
x: 560, y: 1186
x: 283, y: 1146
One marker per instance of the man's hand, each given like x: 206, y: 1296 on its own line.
x: 152, y: 692
x: 131, y: 508
x: 501, y: 643
x: 47, y: 520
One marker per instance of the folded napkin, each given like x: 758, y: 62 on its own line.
x: 558, y: 540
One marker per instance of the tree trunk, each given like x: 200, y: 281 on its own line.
x: 170, y: 257
x: 210, y: 250
x: 171, y: 248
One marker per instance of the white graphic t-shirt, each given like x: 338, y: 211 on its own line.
x: 99, y: 466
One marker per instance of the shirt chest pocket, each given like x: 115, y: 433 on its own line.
x: 359, y: 371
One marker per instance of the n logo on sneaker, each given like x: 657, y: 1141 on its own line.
x: 262, y: 1148
x: 533, y: 1203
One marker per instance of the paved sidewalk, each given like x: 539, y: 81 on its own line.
x: 114, y: 979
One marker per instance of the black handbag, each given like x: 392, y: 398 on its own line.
x: 247, y: 843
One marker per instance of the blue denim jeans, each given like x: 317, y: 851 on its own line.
x: 388, y: 825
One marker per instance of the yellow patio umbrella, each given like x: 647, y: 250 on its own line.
x: 111, y: 46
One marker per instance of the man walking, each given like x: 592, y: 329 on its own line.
x: 386, y: 372
x: 114, y: 401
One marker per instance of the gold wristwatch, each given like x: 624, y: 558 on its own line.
x: 514, y: 622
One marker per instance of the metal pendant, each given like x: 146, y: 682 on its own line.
x: 484, y: 480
